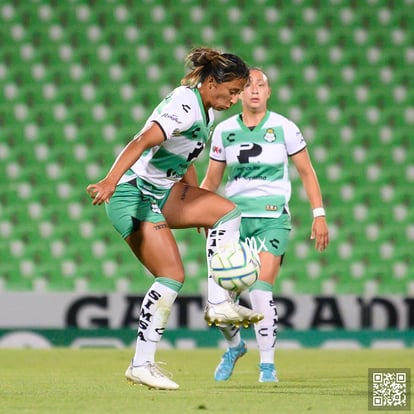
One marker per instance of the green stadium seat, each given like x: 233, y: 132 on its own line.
x: 78, y: 80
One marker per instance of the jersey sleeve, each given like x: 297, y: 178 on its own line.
x: 294, y: 139
x: 177, y: 113
x: 217, y: 152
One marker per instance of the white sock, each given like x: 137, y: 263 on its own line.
x: 232, y: 335
x: 266, y: 329
x: 155, y: 310
x: 225, y: 231
x: 216, y: 294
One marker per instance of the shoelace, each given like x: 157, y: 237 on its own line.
x: 157, y: 371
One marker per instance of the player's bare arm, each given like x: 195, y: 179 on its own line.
x: 102, y: 191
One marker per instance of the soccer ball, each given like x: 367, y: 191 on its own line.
x: 236, y: 267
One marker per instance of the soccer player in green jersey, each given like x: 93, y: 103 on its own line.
x: 255, y: 147
x: 152, y: 188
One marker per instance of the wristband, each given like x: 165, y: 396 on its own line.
x: 319, y: 212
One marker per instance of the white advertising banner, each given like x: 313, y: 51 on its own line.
x: 119, y: 310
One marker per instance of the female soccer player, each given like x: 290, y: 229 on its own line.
x: 152, y: 187
x: 255, y: 146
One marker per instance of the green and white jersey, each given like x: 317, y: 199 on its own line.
x: 257, y: 162
x: 182, y: 118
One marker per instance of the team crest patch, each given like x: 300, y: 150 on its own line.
x: 270, y: 135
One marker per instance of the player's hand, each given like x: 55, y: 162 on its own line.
x: 101, y: 191
x: 320, y: 233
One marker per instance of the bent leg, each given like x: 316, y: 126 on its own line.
x: 189, y: 206
x: 195, y: 207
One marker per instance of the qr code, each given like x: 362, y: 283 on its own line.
x: 389, y: 389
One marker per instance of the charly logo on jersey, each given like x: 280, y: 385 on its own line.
x: 186, y: 108
x: 270, y: 135
x: 155, y: 208
x: 230, y: 137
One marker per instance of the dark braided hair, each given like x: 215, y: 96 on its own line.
x: 223, y: 67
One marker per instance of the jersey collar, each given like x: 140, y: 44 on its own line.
x: 256, y: 127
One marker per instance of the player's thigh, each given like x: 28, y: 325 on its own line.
x: 155, y: 246
x: 269, y: 267
x: 189, y: 206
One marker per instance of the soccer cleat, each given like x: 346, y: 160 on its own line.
x: 150, y: 375
x: 268, y: 373
x: 225, y: 367
x: 230, y: 313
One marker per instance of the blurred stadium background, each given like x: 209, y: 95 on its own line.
x: 79, y: 78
